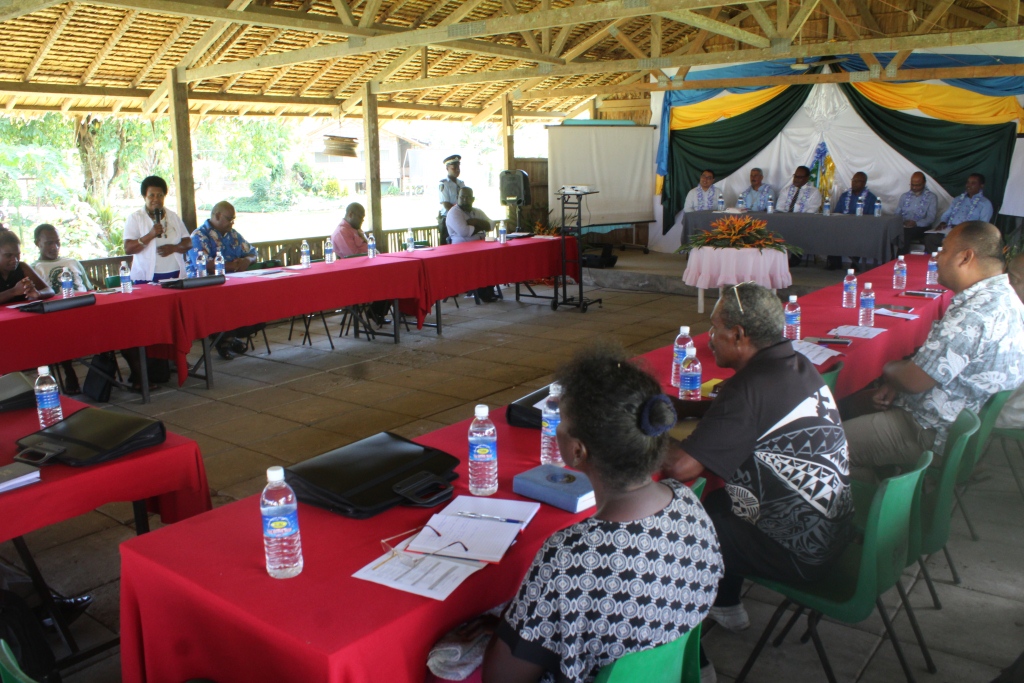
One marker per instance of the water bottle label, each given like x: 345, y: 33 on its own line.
x: 867, y: 303
x: 792, y: 318
x: 67, y: 285
x: 549, y: 425
x: 48, y: 399
x: 679, y: 354
x: 933, y: 267
x: 483, y: 451
x: 850, y: 287
x: 689, y: 381
x: 281, y: 526
x: 125, y: 279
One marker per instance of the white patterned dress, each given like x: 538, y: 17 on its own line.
x: 599, y: 590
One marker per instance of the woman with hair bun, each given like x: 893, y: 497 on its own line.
x: 642, y: 571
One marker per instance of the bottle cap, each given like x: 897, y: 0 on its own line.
x: 867, y: 285
x: 691, y: 352
x: 124, y: 264
x: 554, y: 389
x: 900, y: 258
x: 275, y: 473
x: 850, y: 271
x: 792, y: 298
x: 44, y: 370
x: 684, y: 329
x: 481, y: 412
x: 935, y: 254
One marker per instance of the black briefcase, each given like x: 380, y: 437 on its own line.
x: 521, y: 412
x: 94, y: 435
x: 57, y: 304
x: 194, y: 282
x: 370, y: 476
x: 17, y: 391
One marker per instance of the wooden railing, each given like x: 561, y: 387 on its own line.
x: 286, y: 251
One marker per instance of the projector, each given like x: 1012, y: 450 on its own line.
x: 574, y: 189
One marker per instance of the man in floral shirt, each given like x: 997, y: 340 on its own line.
x: 973, y: 352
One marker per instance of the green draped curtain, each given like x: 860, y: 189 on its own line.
x: 946, y: 151
x: 723, y: 146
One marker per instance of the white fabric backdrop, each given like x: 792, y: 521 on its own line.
x: 826, y: 116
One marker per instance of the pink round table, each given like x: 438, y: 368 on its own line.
x: 710, y: 267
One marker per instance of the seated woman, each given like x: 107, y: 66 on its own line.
x: 642, y: 571
x: 18, y: 282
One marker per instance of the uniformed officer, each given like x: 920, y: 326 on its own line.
x: 448, y: 191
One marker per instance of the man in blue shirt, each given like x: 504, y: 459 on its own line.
x: 917, y: 208
x: 218, y: 234
x: 758, y: 193
x: 848, y: 203
x: 972, y: 205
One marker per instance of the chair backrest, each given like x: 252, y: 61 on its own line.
x: 935, y: 510
x: 832, y: 376
x: 698, y: 486
x: 10, y: 671
x: 672, y: 662
x: 976, y: 446
x: 111, y: 281
x: 887, y: 532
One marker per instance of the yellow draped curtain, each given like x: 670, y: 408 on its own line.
x: 724, y: 107
x: 945, y: 102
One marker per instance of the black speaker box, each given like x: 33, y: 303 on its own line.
x: 606, y: 259
x: 514, y: 188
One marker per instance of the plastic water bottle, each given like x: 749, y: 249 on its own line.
x: 792, y: 311
x: 502, y: 233
x: 931, y: 277
x: 721, y: 202
x: 304, y: 254
x: 483, y: 454
x: 201, y: 264
x: 67, y: 284
x: 683, y: 341
x: 866, y: 316
x: 850, y: 290
x: 549, y: 419
x: 410, y: 241
x: 126, y: 278
x: 218, y: 263
x: 47, y: 399
x: 741, y: 203
x: 899, y: 273
x: 771, y: 205
x: 878, y: 208
x: 826, y: 208
x: 689, y: 376
x: 860, y: 206
x: 371, y: 246
x: 281, y: 541
x: 328, y: 251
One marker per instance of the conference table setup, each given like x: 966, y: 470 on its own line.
x: 871, y: 237
x: 196, y: 600
x: 166, y: 322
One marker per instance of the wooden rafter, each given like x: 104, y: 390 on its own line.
x: 391, y: 10
x: 847, y: 27
x: 370, y: 10
x: 493, y: 106
x: 395, y: 64
x: 762, y: 19
x: 924, y: 27
x: 531, y: 42
x: 794, y: 27
x: 972, y: 16
x: 12, y: 9
x: 108, y: 47
x: 867, y: 17
x: 281, y: 73
x: 564, y: 33
x: 355, y: 77
x: 344, y: 13
x: 321, y: 72
x: 161, y: 51
x: 696, y: 46
x: 271, y: 39
x: 721, y: 28
x: 51, y: 39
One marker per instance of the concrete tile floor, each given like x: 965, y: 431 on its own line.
x: 298, y: 401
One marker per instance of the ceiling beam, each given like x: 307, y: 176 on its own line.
x: 12, y: 9
x: 867, y: 17
x: 996, y: 35
x: 847, y: 28
x: 797, y: 23
x: 370, y: 10
x: 344, y: 12
x: 51, y: 39
x: 281, y: 73
x: 564, y: 33
x: 762, y: 18
x: 161, y: 51
x: 395, y: 64
x: 112, y: 41
x: 924, y: 27
x: 721, y: 28
x: 271, y: 39
x: 531, y: 42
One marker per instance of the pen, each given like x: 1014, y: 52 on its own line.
x: 480, y: 515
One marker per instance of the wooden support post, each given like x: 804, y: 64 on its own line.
x: 181, y: 145
x: 507, y: 139
x: 371, y: 154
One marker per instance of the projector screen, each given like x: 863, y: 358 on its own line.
x: 617, y: 161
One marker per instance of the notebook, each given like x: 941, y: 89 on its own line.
x: 465, y: 538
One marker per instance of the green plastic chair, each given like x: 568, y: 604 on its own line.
x: 1006, y: 434
x: 10, y: 671
x: 866, y: 570
x: 112, y: 282
x: 831, y: 376
x: 674, y: 662
x: 975, y: 448
x: 698, y: 486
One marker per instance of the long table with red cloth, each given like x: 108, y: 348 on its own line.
x: 822, y: 311
x: 171, y: 475
x: 196, y: 600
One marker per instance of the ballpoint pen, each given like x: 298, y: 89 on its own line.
x: 480, y: 515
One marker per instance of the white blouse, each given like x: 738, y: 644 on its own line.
x: 147, y: 262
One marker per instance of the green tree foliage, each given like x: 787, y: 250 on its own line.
x: 247, y: 149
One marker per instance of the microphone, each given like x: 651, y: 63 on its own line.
x: 158, y: 215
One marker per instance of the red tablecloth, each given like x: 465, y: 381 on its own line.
x: 822, y: 311
x: 149, y: 315
x: 196, y: 599
x: 172, y: 474
x: 452, y: 269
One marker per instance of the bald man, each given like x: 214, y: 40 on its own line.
x: 973, y: 352
x: 1012, y: 416
x: 917, y: 208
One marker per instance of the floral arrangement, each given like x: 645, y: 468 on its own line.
x: 739, y: 232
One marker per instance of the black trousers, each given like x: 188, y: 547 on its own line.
x: 747, y: 551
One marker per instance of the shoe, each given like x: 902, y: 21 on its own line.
x: 733, y: 618
x: 225, y: 352
x: 238, y: 346
x: 69, y: 608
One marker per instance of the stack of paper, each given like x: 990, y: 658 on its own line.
x: 431, y: 576
x: 896, y: 314
x: 857, y: 331
x: 465, y: 538
x: 816, y: 353
x: 16, y: 475
x: 493, y: 509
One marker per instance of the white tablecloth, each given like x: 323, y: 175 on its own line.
x: 708, y: 267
